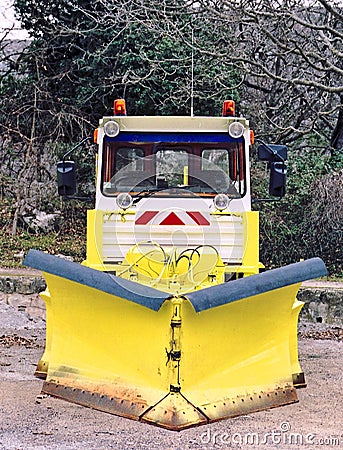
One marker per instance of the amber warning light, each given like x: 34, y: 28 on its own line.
x: 252, y: 137
x: 119, y: 107
x: 228, y: 108
x: 95, y: 135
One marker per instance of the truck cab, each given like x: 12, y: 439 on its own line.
x: 173, y: 201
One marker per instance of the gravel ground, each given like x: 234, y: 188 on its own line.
x: 29, y: 420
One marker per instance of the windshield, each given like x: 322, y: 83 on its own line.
x: 204, y: 168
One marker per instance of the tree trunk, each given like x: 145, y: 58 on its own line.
x: 337, y: 134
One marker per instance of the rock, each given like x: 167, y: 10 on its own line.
x: 30, y: 285
x: 32, y: 305
x: 7, y: 285
x: 21, y: 292
x: 67, y: 258
x: 17, y: 301
x: 12, y: 319
x: 322, y: 305
x: 43, y: 222
x: 22, y: 285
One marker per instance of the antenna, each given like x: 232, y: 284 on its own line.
x: 192, y: 77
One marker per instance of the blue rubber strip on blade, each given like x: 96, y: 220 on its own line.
x: 201, y: 300
x: 257, y: 284
x: 126, y: 289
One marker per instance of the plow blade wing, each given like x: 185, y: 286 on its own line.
x: 175, y: 361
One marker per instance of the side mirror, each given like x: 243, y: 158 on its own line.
x: 66, y: 178
x: 272, y: 153
x: 277, y: 182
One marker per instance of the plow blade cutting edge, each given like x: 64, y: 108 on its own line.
x: 173, y: 361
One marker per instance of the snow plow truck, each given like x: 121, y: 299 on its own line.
x: 171, y: 319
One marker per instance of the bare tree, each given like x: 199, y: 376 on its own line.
x: 282, y: 57
x: 286, y: 56
x: 290, y: 54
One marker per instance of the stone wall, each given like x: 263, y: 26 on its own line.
x: 22, y: 292
x: 322, y: 305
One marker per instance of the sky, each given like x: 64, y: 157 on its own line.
x: 8, y: 21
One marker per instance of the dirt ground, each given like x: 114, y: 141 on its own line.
x: 29, y: 420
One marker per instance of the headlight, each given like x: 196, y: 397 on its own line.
x: 221, y: 201
x: 124, y: 200
x: 111, y: 128
x: 236, y: 130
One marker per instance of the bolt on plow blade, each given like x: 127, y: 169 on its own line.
x: 172, y: 361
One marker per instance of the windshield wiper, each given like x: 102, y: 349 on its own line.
x: 150, y: 191
x: 146, y: 193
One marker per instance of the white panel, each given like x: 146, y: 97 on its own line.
x: 226, y: 234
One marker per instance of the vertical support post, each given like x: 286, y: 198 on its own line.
x: 174, y: 355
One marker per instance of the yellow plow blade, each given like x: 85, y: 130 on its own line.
x: 176, y: 361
